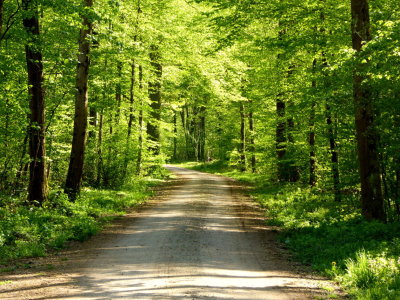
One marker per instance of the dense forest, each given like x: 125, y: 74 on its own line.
x: 299, y: 96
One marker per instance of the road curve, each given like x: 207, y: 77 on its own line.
x: 200, y: 242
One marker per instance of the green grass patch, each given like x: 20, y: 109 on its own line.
x: 331, y: 237
x: 32, y: 231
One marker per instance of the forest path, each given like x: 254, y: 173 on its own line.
x: 199, y: 239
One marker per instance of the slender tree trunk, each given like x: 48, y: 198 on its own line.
x: 311, y: 135
x: 100, y: 150
x: 202, y: 130
x: 242, y: 146
x: 118, y: 92
x: 153, y: 125
x: 184, y: 127
x: 334, y: 154
x: 252, y: 145
x: 1, y: 16
x: 281, y: 141
x: 175, y: 136
x: 37, y: 191
x: 75, y: 170
x: 372, y: 201
x: 131, y: 99
x: 140, y: 142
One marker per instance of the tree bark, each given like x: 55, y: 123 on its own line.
x: 118, y: 93
x: 252, y: 145
x: 1, y: 16
x: 372, y: 201
x: 153, y: 125
x: 131, y: 99
x: 100, y: 150
x: 311, y: 135
x: 281, y: 141
x: 242, y: 146
x: 334, y: 154
x: 75, y: 170
x: 140, y: 139
x: 174, y: 157
x: 37, y: 191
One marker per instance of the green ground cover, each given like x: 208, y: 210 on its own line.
x: 27, y: 231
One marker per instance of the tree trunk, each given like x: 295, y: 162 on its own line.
x: 131, y: 99
x: 372, y: 201
x: 242, y: 146
x: 311, y: 135
x: 281, y: 141
x: 100, y: 151
x: 1, y: 16
x: 202, y: 137
x: 174, y: 157
x: 252, y: 147
x: 37, y: 191
x: 334, y: 154
x: 153, y: 125
x: 140, y: 144
x: 118, y: 93
x: 75, y: 170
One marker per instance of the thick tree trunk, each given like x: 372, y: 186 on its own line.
x: 37, y: 191
x: 372, y: 201
x: 75, y: 170
x: 242, y: 146
x: 153, y: 125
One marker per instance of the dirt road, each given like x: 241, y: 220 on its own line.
x: 201, y: 241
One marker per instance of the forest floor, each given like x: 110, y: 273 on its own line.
x: 199, y: 238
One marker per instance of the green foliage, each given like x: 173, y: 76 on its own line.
x: 32, y: 231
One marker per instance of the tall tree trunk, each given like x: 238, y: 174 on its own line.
x: 372, y: 201
x: 153, y: 125
x: 202, y: 135
x: 184, y: 126
x: 281, y: 141
x: 311, y: 134
x: 242, y: 146
x: 118, y: 92
x: 75, y: 170
x: 1, y: 16
x: 140, y: 142
x: 334, y: 154
x: 131, y: 99
x: 37, y: 191
x: 252, y: 145
x: 100, y: 150
x: 174, y: 157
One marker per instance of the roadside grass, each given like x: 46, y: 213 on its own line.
x: 363, y: 257
x: 27, y: 231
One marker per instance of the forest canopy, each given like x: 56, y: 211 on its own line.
x: 100, y: 93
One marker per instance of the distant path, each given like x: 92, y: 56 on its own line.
x: 200, y: 240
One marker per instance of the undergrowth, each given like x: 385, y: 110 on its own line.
x: 27, y: 231
x: 331, y: 237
